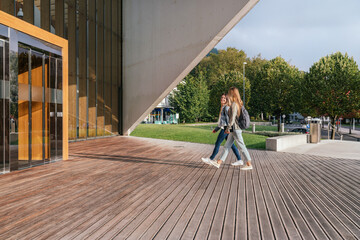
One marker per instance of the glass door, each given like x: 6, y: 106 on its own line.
x: 37, y: 111
x: 55, y: 109
x: 4, y: 106
x: 24, y: 108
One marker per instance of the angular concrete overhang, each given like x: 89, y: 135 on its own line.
x: 163, y: 40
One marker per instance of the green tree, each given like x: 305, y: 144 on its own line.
x: 274, y: 88
x: 222, y: 85
x: 191, y: 98
x: 216, y: 65
x: 332, y: 87
x: 257, y: 105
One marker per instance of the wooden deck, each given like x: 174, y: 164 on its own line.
x: 134, y: 188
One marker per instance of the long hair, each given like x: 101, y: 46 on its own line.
x: 234, y: 96
x: 227, y: 103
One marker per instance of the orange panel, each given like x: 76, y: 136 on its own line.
x: 23, y: 134
x: 36, y: 128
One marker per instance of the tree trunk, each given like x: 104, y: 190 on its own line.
x: 351, y: 120
x: 333, y: 129
x: 279, y: 125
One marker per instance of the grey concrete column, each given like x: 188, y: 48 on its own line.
x: 163, y: 41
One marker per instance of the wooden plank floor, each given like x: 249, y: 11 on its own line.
x: 135, y: 188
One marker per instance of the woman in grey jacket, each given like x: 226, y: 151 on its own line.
x: 234, y: 131
x: 222, y: 124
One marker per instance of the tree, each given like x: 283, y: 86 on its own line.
x: 274, y: 88
x: 216, y: 65
x: 257, y: 105
x: 191, y: 98
x: 332, y: 87
x: 222, y: 85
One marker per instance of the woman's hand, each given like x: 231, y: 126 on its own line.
x: 214, y: 131
x: 227, y: 131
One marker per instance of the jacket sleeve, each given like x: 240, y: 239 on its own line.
x: 226, y: 109
x: 232, y: 116
x: 219, y: 120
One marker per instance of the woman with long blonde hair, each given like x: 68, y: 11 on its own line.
x: 222, y: 124
x: 234, y: 131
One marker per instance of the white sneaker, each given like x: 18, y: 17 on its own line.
x: 246, y: 167
x: 214, y: 163
x: 206, y: 160
x: 238, y: 163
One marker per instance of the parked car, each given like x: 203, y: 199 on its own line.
x: 300, y: 130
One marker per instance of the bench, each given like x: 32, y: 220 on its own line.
x: 282, y: 142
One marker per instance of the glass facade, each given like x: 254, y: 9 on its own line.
x: 31, y: 97
x: 93, y: 31
x: 31, y: 101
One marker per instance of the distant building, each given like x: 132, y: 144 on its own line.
x: 163, y: 113
x: 294, y: 117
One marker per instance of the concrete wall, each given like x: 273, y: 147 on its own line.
x: 163, y: 40
x: 283, y: 142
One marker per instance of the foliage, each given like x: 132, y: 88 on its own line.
x: 332, y: 87
x: 217, y: 65
x: 191, y: 98
x: 256, y: 106
x: 221, y: 71
x: 231, y: 79
x: 275, y: 88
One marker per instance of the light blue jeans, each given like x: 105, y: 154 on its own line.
x: 237, y: 136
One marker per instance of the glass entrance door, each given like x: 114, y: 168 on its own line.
x: 39, y: 107
x: 23, y: 120
x: 30, y: 101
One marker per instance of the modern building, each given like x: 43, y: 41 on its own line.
x: 163, y: 113
x: 81, y: 69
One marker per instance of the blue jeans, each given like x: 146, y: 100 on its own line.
x: 222, y: 135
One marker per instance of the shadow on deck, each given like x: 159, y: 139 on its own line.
x: 135, y: 188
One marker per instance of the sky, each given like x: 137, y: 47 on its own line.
x: 300, y: 31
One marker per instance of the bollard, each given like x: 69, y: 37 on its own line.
x: 353, y: 123
x: 12, y: 126
x: 282, y: 127
x: 253, y: 128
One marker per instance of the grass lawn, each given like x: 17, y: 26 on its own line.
x: 189, y: 133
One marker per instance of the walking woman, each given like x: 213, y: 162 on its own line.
x: 222, y: 123
x: 234, y: 131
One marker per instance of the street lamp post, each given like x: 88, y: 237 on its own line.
x: 244, y: 83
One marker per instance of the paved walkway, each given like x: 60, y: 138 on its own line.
x: 329, y: 148
x: 135, y: 188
